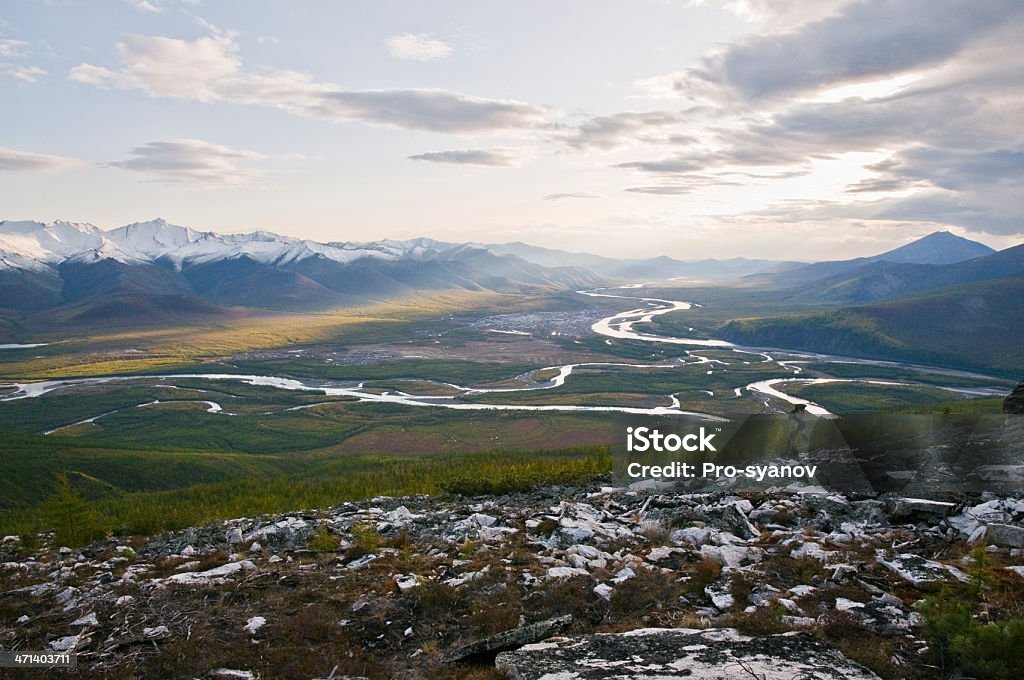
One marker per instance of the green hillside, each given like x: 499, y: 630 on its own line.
x: 973, y: 326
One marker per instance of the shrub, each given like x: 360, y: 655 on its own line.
x: 73, y: 521
x: 367, y: 540
x: 989, y: 651
x: 323, y: 540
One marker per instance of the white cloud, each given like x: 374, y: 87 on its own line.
x: 492, y: 157
x: 192, y: 161
x: 798, y: 111
x: 575, y: 194
x: 11, y: 48
x: 157, y: 6
x: 211, y: 69
x: 417, y: 47
x: 12, y: 160
x: 167, y: 67
x: 865, y: 40
x: 777, y: 14
x: 606, y: 132
x: 26, y: 74
x: 14, y: 49
x: 144, y: 5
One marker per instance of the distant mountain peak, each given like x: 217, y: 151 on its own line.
x: 939, y: 247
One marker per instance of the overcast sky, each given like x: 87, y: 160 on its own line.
x: 762, y: 128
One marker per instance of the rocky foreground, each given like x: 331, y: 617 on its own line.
x: 556, y: 583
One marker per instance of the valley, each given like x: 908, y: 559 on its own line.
x: 524, y: 369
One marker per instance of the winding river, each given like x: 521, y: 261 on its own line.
x: 619, y: 326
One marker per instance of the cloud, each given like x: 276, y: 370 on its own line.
x: 864, y: 40
x: 492, y: 157
x: 687, y: 184
x: 979, y: 190
x: 157, y: 6
x: 143, y: 5
x: 210, y: 69
x: 15, y: 49
x: 576, y: 194
x: 607, y: 132
x: 777, y: 14
x: 934, y: 87
x: 11, y: 48
x: 956, y: 169
x: 26, y: 74
x: 417, y: 47
x: 12, y: 160
x: 192, y: 161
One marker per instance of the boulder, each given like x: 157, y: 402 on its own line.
x: 510, y: 639
x: 920, y: 509
x: 919, y: 571
x: 1005, y: 534
x: 718, y: 653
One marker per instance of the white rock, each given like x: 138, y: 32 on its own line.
x: 735, y: 556
x: 232, y: 674
x: 721, y: 598
x: 696, y: 536
x: 406, y: 583
x: 791, y: 607
x: 67, y: 595
x: 484, y: 520
x: 812, y: 550
x: 623, y: 575
x: 156, y: 633
x: 466, y: 578
x: 566, y: 572
x: 663, y: 553
x: 361, y: 562
x: 400, y: 516
x: 65, y: 644
x: 845, y: 605
x: 587, y: 552
x: 87, y: 620
x: 918, y: 570
x: 217, y: 574
x: 604, y: 591
x: 254, y: 624
x: 124, y: 601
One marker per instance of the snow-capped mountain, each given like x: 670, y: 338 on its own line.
x: 137, y: 268
x: 36, y: 245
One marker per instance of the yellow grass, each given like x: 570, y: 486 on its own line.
x: 164, y: 349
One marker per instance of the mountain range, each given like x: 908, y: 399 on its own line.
x: 154, y: 267
x: 942, y: 297
x: 942, y: 300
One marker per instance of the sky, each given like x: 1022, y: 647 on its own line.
x: 785, y: 129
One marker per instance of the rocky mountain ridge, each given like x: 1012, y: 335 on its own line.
x: 422, y: 586
x: 147, y: 272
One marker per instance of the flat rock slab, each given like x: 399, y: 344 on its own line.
x: 918, y: 570
x: 510, y: 639
x: 666, y: 653
x: 1005, y: 534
